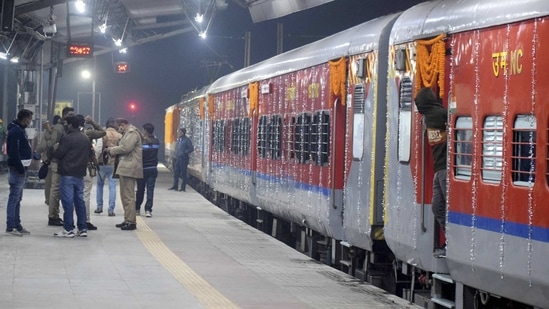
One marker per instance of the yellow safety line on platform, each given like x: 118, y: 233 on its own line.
x: 196, y: 285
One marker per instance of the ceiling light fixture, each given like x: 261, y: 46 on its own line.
x: 80, y: 6
x: 103, y: 28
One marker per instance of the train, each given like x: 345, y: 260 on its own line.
x: 323, y: 147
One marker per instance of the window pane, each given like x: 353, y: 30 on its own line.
x: 524, y: 150
x: 463, y: 144
x: 492, y: 148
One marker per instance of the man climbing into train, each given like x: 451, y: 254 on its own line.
x: 435, y: 118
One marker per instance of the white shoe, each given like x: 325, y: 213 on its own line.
x: 148, y: 214
x: 63, y: 233
x: 14, y: 232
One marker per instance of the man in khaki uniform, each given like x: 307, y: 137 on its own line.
x: 129, y: 169
x: 57, y: 131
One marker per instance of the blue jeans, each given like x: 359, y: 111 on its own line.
x: 72, y: 198
x: 17, y: 182
x: 148, y: 181
x: 105, y: 174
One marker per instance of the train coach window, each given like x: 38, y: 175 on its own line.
x: 492, y: 148
x: 405, y: 119
x: 219, y: 136
x: 275, y: 136
x: 463, y: 147
x: 320, y: 138
x: 524, y: 150
x: 240, y: 137
x: 245, y: 129
x: 235, y: 136
x: 358, y: 122
x: 302, y: 137
x: 262, y: 138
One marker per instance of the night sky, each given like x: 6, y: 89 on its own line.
x: 162, y: 71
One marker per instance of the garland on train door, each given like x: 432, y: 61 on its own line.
x: 430, y: 63
x: 338, y: 74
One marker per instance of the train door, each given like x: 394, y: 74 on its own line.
x: 431, y: 65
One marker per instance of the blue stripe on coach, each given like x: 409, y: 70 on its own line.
x: 495, y: 225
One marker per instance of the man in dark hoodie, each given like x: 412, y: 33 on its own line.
x: 435, y: 118
x: 19, y: 158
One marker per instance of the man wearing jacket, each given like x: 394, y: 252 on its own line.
x: 150, y: 170
x: 73, y: 154
x: 435, y: 118
x: 106, y: 163
x: 19, y: 158
x: 183, y: 150
x: 129, y: 169
x: 57, y: 131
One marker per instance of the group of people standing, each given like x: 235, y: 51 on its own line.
x: 77, y: 149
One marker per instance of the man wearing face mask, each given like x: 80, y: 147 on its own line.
x: 19, y: 158
x: 129, y: 169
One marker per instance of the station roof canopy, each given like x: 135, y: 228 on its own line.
x: 131, y: 22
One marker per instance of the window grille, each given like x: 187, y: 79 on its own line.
x: 524, y: 150
x: 320, y: 138
x: 219, y: 136
x: 302, y: 138
x: 262, y: 140
x: 275, y: 136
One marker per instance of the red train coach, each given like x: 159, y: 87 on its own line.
x: 484, y: 59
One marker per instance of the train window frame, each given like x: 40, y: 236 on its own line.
x: 219, y: 136
x: 320, y: 138
x: 405, y: 105
x: 275, y: 137
x: 492, y: 149
x: 524, y: 150
x: 235, y: 136
x: 263, y: 135
x: 463, y: 147
x: 240, y: 137
x: 359, y: 102
x: 245, y: 133
x: 302, y: 137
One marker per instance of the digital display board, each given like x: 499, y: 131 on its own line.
x: 79, y: 50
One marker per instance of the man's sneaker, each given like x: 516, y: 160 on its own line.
x: 111, y: 214
x: 24, y: 231
x: 90, y: 226
x: 55, y: 222
x: 14, y: 232
x: 119, y: 225
x: 63, y: 233
x: 148, y: 214
x: 98, y: 211
x: 82, y: 233
x: 440, y: 253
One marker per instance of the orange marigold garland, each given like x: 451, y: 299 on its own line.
x: 430, y: 65
x: 338, y: 75
x: 254, y: 98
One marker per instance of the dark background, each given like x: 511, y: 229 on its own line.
x: 162, y: 71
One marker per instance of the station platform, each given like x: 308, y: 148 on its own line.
x: 190, y: 254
